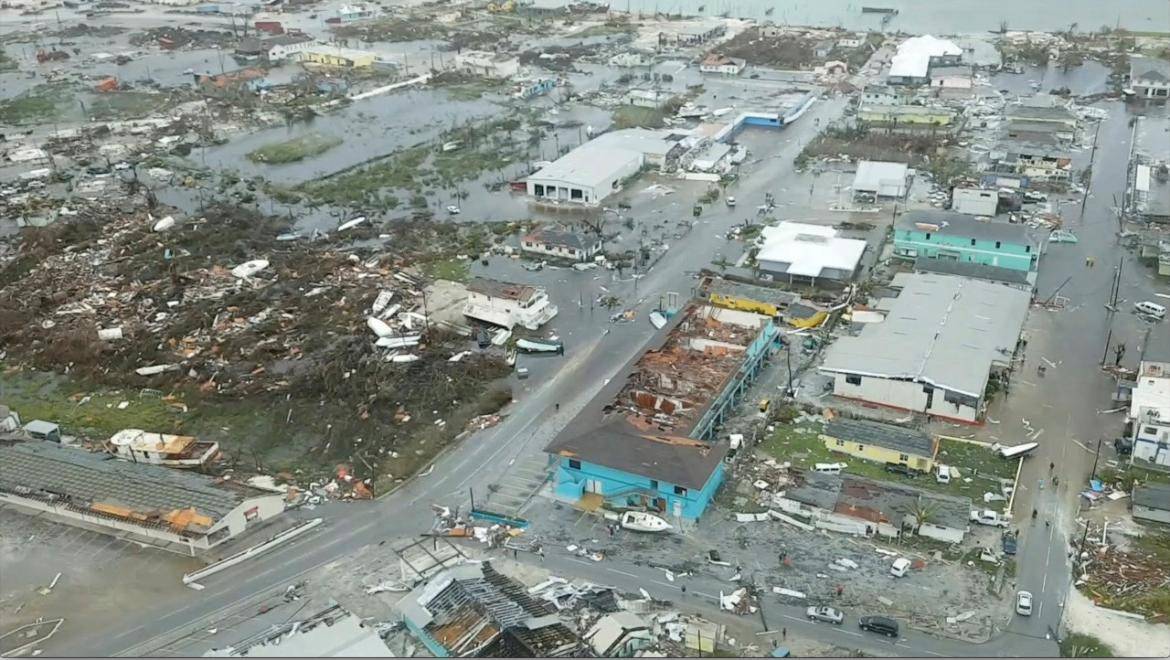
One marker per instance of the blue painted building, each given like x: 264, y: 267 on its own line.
x: 620, y: 466
x: 647, y: 441
x: 946, y: 235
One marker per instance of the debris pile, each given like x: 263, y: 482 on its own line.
x: 1116, y: 578
x: 230, y: 304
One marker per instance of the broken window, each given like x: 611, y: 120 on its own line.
x: 903, y: 457
x: 860, y: 447
x: 574, y: 464
x: 972, y: 242
x: 853, y: 380
x: 840, y: 442
x: 997, y: 245
x: 679, y: 490
x: 653, y: 484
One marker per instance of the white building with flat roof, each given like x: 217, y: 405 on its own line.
x: 507, y: 305
x: 795, y: 251
x: 596, y: 169
x: 877, y: 179
x: 911, y: 64
x: 935, y: 350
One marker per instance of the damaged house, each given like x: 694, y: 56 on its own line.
x: 647, y: 440
x: 507, y: 305
x: 854, y: 505
x: 574, y: 246
x: 471, y: 610
x: 149, y: 503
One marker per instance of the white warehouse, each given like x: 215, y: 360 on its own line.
x: 596, y: 169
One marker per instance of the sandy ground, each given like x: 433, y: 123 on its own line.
x: 1128, y: 637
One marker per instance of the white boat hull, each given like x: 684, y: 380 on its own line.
x: 636, y: 521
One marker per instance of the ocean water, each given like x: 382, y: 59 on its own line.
x: 922, y: 16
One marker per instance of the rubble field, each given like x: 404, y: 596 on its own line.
x: 246, y: 334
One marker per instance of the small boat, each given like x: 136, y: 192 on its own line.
x: 640, y: 521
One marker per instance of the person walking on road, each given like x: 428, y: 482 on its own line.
x: 784, y: 634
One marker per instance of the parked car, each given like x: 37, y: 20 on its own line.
x: 1009, y: 544
x: 899, y: 567
x: 899, y: 468
x: 1024, y: 603
x: 879, y: 624
x: 1150, y: 309
x: 989, y: 517
x: 1032, y: 196
x: 825, y: 614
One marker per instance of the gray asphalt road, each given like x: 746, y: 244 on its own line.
x: 1062, y: 403
x: 486, y: 456
x: 1065, y: 402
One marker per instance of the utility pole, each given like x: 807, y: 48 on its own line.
x: 1105, y: 355
x: 1092, y: 475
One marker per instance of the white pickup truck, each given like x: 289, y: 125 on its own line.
x: 989, y: 517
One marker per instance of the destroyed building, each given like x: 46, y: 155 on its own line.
x: 330, y: 633
x: 854, y: 505
x: 150, y: 503
x: 471, y: 610
x: 507, y: 305
x: 181, y: 451
x: 648, y: 438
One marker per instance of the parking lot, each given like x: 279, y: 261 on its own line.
x: 33, y: 550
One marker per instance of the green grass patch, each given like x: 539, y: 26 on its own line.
x: 455, y: 270
x: 1080, y: 645
x: 40, y: 104
x: 360, y: 185
x: 296, y: 149
x: 801, y: 445
x: 81, y: 410
x: 472, y: 90
x: 978, y: 460
x: 606, y: 29
x: 632, y: 116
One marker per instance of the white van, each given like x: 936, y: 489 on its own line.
x: 901, y: 565
x: 1148, y: 308
x: 829, y: 468
x: 943, y: 474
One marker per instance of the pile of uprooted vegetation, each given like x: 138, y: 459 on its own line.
x: 857, y: 143
x: 232, y: 310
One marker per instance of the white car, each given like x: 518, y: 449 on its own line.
x: 989, y: 517
x: 1024, y: 603
x: 453, y: 210
x: 825, y: 615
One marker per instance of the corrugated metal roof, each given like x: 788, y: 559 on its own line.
x: 971, y: 270
x: 86, y: 478
x: 1152, y: 495
x: 950, y: 223
x: 941, y: 329
x: 898, y: 438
